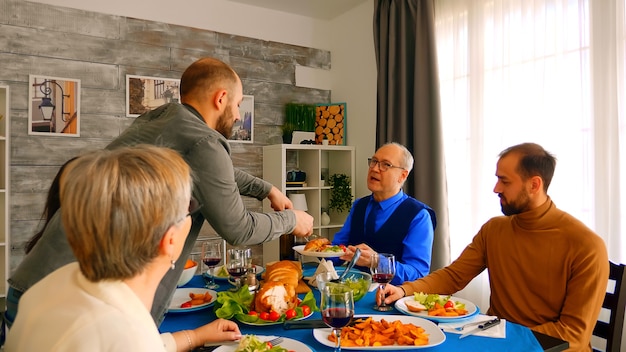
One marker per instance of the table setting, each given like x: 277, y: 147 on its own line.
x: 313, y: 331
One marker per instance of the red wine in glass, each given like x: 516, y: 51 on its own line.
x: 211, y: 262
x: 236, y: 271
x: 211, y: 256
x: 337, y: 317
x: 382, y: 278
x: 383, y: 269
x: 337, y: 306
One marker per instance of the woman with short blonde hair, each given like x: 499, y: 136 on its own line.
x: 126, y: 215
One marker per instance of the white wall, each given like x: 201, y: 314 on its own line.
x: 349, y: 37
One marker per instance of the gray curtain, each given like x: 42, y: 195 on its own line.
x: 408, y: 110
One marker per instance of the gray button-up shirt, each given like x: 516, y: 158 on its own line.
x: 217, y: 185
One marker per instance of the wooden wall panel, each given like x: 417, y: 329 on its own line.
x: 100, y: 50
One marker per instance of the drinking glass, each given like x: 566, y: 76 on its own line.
x: 383, y: 269
x: 239, y: 262
x: 337, y: 307
x: 211, y: 257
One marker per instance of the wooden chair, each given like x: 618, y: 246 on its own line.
x: 615, y: 303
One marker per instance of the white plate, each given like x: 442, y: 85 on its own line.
x: 290, y: 344
x: 435, y: 335
x: 300, y: 249
x: 267, y: 323
x: 182, y: 295
x: 471, y: 310
x: 258, y: 270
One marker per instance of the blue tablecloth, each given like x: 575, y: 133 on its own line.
x: 518, y: 338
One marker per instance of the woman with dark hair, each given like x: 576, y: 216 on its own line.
x: 52, y: 205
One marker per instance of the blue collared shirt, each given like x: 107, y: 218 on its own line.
x: 418, y: 242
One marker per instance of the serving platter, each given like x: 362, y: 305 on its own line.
x: 435, y: 335
x: 300, y: 249
x: 268, y: 323
x: 289, y: 344
x: 471, y: 308
x: 182, y: 295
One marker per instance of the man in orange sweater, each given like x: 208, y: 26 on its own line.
x: 547, y: 270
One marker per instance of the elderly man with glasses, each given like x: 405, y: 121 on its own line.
x: 388, y: 220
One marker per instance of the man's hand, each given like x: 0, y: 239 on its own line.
x: 367, y: 253
x: 391, y: 294
x: 278, y: 201
x: 304, y: 224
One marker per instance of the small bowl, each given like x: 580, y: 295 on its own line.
x: 187, y: 275
x: 358, y: 281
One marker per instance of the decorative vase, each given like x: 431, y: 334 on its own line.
x: 325, y: 218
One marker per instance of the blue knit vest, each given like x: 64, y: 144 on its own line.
x: 388, y: 238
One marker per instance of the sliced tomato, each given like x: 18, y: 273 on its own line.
x: 264, y: 315
x: 449, y: 304
x: 306, y: 310
x: 254, y: 313
x: 186, y: 305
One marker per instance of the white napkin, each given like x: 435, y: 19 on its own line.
x: 498, y: 331
x: 324, y: 266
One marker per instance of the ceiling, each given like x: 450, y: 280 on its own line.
x: 319, y: 9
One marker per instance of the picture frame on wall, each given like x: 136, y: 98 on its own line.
x: 243, y: 130
x: 145, y: 93
x: 53, y: 106
x: 330, y: 123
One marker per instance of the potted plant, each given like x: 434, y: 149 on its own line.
x: 287, y: 130
x: 340, y: 193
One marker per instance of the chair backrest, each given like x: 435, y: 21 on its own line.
x: 615, y: 304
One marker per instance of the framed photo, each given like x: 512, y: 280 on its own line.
x: 243, y: 130
x: 53, y: 106
x: 330, y: 123
x: 145, y: 93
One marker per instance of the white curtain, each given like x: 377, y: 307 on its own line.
x: 544, y: 71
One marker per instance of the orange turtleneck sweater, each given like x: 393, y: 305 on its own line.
x: 547, y: 271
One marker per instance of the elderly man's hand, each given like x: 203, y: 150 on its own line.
x: 367, y: 253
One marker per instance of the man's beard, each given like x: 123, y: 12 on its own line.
x: 225, y: 123
x: 517, y: 206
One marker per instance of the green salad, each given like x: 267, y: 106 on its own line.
x: 238, y: 304
x: 250, y: 343
x: 429, y: 300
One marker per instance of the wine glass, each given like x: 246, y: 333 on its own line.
x: 337, y: 307
x: 211, y: 256
x: 383, y: 269
x: 238, y: 264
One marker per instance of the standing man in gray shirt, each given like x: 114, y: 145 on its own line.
x: 197, y: 128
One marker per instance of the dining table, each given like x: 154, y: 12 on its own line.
x: 518, y: 337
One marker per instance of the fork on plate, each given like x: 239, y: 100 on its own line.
x: 275, y: 341
x: 212, y: 345
x: 460, y: 328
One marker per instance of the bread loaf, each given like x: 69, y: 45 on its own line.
x: 284, y: 271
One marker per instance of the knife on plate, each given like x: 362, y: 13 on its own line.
x: 482, y: 327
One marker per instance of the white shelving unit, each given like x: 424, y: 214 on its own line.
x: 5, y: 243
x: 317, y: 161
